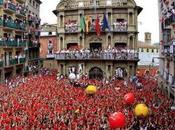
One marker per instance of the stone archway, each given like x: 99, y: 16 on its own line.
x: 96, y: 73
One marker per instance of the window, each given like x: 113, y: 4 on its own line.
x: 152, y: 50
x: 109, y: 67
x: 33, y: 3
x: 142, y: 50
x: 147, y: 50
x: 30, y: 1
x: 36, y: 6
x: 130, y: 18
x: 157, y: 51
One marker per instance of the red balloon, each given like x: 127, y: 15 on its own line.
x: 117, y: 120
x: 129, y: 98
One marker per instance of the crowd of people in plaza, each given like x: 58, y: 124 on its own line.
x: 43, y: 102
x: 113, y: 53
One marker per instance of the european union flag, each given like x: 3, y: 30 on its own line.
x: 105, y: 23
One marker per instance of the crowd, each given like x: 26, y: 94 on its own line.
x: 43, y: 102
x: 115, y: 53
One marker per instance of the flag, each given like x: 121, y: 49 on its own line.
x: 97, y: 26
x: 82, y: 24
x: 105, y: 23
x: 88, y: 23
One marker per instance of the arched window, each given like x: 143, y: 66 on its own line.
x: 131, y: 42
x: 61, y: 20
x: 109, y: 40
x: 61, y: 42
x: 130, y: 18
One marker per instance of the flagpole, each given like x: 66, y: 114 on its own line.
x: 95, y: 6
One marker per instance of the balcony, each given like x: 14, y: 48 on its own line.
x: 169, y: 20
x: 33, y: 45
x: 21, y: 60
x: 119, y: 56
x: 76, y: 29
x: 19, y: 26
x: 13, y: 43
x: 1, y: 64
x: 10, y: 7
x: 1, y: 3
x: 99, y: 4
x: 21, y: 12
x: 13, y: 62
x: 1, y: 22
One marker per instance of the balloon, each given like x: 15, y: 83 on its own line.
x: 129, y: 98
x: 141, y: 110
x: 117, y: 120
x: 91, y: 89
x: 72, y: 76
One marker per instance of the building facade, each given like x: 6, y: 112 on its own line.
x: 12, y: 38
x: 33, y: 28
x: 15, y: 41
x: 148, y: 52
x: 87, y: 47
x: 97, y: 38
x: 167, y: 44
x: 48, y: 41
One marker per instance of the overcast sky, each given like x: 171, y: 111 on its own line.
x: 148, y: 19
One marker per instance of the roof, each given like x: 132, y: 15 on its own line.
x: 141, y: 44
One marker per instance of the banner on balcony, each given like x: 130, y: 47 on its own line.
x: 97, y: 26
x: 105, y: 23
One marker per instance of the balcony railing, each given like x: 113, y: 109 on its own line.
x: 21, y: 12
x: 22, y: 60
x: 10, y: 6
x: 13, y: 43
x: 100, y: 56
x: 1, y: 22
x: 1, y: 64
x: 13, y: 61
x: 1, y: 2
x: 88, y: 4
x: 11, y: 24
x: 112, y: 28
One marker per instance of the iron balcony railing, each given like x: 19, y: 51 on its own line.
x: 11, y: 24
x: 1, y: 64
x: 10, y: 6
x: 112, y: 28
x: 100, y: 56
x: 13, y: 43
x: 1, y: 2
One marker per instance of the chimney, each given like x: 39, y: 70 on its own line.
x: 148, y: 37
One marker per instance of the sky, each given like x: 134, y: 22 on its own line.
x: 148, y: 20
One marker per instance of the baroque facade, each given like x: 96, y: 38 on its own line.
x: 97, y: 37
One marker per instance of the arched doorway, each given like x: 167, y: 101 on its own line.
x: 120, y: 72
x: 96, y: 73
